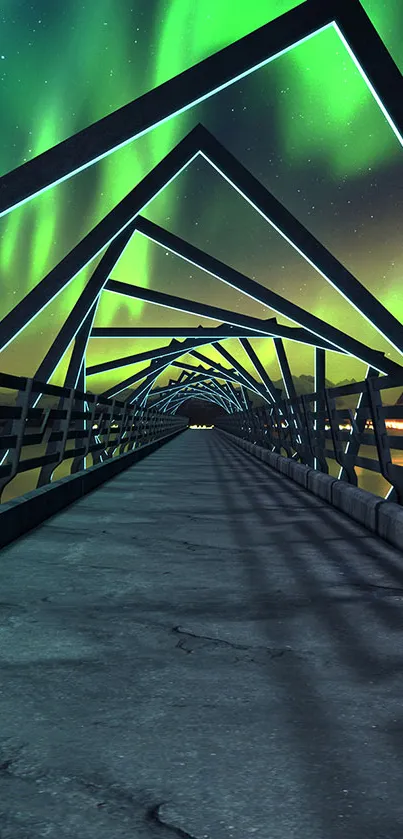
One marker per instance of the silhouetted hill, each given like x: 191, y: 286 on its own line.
x: 305, y: 384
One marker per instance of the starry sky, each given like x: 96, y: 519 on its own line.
x: 306, y: 125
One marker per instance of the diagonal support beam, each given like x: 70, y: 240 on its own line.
x: 206, y: 78
x: 361, y: 415
x: 253, y: 357
x: 77, y: 361
x: 330, y: 337
x: 139, y: 116
x: 136, y: 377
x: 214, y: 333
x: 204, y: 392
x: 250, y: 380
x: 171, y: 301
x: 85, y: 303
x: 302, y: 240
x: 236, y: 365
x: 227, y: 396
x: 174, y: 387
x: 99, y: 237
x: 173, y: 407
x: 215, y: 372
x: 285, y: 369
x: 175, y: 348
x: 142, y: 391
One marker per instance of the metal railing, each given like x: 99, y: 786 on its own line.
x: 56, y: 424
x: 311, y: 429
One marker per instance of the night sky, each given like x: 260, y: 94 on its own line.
x: 306, y: 125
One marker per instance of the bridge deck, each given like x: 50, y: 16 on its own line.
x: 201, y: 648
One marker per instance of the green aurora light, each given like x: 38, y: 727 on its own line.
x: 319, y: 127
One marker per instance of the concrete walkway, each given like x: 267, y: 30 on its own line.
x: 201, y: 649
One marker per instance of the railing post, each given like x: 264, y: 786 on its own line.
x: 17, y: 427
x: 342, y: 459
x: 134, y: 428
x: 315, y: 454
x: 58, y: 447
x: 390, y: 471
x: 361, y: 415
x: 89, y: 422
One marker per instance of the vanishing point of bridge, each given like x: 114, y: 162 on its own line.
x: 200, y: 631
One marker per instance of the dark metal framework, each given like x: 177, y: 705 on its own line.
x: 311, y: 429
x: 69, y: 427
x: 227, y: 386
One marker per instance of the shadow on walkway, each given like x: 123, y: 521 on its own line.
x: 201, y: 648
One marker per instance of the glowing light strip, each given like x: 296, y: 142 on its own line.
x: 288, y: 394
x: 201, y: 99
x: 195, y: 396
x: 164, y: 402
x: 221, y: 395
x: 273, y: 399
x: 172, y: 398
x: 336, y: 348
x: 121, y: 229
x: 391, y: 490
x: 213, y: 396
x: 307, y: 259
x: 235, y: 399
x: 169, y: 352
x: 209, y: 337
x: 176, y: 309
x: 6, y: 455
x: 170, y: 116
x: 247, y: 383
x: 194, y: 388
x: 177, y: 388
x: 141, y: 393
x: 157, y: 373
x: 315, y: 459
x: 120, y: 389
x: 96, y: 301
x: 225, y: 376
x: 244, y: 399
x: 95, y: 304
x: 369, y: 84
x: 355, y: 417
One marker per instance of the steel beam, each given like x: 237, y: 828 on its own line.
x: 285, y: 369
x: 253, y: 357
x: 206, y: 78
x: 76, y: 366
x: 110, y: 227
x: 175, y: 348
x: 215, y: 333
x: 249, y: 380
x: 139, y: 116
x: 303, y: 241
x: 87, y: 302
x: 330, y: 337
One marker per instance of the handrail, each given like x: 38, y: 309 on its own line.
x: 69, y: 424
x: 311, y: 429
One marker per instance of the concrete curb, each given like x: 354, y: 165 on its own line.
x: 321, y: 485
x: 390, y: 523
x: 22, y: 514
x: 384, y: 518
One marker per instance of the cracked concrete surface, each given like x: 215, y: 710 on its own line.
x: 201, y: 649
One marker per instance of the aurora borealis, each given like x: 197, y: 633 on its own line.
x: 306, y: 125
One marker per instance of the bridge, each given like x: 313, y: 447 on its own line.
x: 200, y: 627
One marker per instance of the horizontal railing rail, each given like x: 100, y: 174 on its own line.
x: 311, y: 429
x: 68, y: 424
